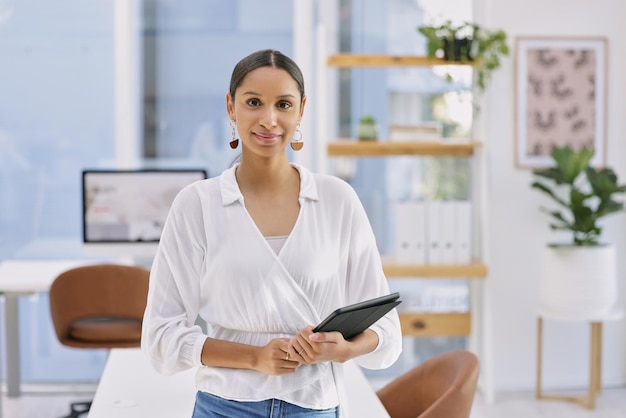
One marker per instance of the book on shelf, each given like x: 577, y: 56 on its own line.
x: 425, y: 132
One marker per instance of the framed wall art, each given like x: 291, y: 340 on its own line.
x: 560, y: 97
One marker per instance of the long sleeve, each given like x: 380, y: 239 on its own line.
x: 169, y: 337
x: 365, y: 279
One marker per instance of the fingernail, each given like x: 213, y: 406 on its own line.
x: 313, y: 337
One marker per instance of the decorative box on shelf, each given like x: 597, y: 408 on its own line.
x: 428, y: 131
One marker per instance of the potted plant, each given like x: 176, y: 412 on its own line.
x: 490, y: 47
x: 367, y: 128
x: 579, y: 277
x: 467, y: 42
x: 449, y: 41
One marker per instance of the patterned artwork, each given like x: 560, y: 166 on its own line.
x: 560, y: 98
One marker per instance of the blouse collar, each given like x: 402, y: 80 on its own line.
x: 231, y: 193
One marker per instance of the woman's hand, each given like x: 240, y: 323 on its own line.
x: 275, y: 358
x: 310, y: 348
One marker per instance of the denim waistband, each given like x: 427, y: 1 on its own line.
x: 211, y: 406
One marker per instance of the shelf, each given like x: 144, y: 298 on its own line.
x: 381, y: 149
x: 417, y: 324
x: 474, y: 270
x: 385, y: 60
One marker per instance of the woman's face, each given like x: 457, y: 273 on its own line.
x: 267, y: 107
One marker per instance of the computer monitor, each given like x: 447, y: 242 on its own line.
x: 124, y: 210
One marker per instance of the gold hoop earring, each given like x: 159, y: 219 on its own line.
x: 296, y: 142
x: 234, y: 143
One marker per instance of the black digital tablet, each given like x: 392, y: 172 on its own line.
x: 353, y: 319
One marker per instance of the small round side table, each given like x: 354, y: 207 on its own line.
x: 595, y: 361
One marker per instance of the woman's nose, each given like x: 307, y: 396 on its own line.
x: 268, y: 119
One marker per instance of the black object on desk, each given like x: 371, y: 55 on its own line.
x: 353, y: 319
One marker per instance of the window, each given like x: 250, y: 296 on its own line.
x: 57, y: 117
x: 189, y: 53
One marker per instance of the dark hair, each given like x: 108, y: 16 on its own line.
x: 266, y: 58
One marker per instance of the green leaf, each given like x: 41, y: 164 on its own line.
x: 577, y: 198
x: 604, y: 182
x: 570, y: 162
x: 608, y: 206
x: 550, y: 193
x: 589, y: 194
x: 564, y: 225
x: 552, y: 173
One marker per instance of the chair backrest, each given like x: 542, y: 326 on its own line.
x: 99, y: 306
x: 442, y: 387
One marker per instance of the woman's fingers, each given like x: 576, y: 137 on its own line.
x: 282, y: 361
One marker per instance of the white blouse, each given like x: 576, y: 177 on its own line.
x: 213, y: 262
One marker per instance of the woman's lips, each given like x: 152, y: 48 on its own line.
x: 267, y: 138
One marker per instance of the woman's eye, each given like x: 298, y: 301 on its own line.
x: 254, y: 102
x: 284, y: 105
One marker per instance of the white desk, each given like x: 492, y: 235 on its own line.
x: 129, y: 387
x: 20, y: 278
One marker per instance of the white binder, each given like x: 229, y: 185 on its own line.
x: 463, y: 238
x: 402, y: 232
x: 409, y: 234
x: 448, y: 232
x: 418, y: 231
x: 433, y: 232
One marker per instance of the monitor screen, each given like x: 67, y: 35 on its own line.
x: 124, y: 210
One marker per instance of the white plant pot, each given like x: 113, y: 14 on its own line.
x: 579, y: 281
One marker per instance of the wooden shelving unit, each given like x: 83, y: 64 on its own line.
x: 356, y: 148
x: 453, y: 324
x: 416, y: 324
x: 380, y: 60
x: 475, y: 270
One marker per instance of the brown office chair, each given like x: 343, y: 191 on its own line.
x: 442, y: 387
x: 99, y: 306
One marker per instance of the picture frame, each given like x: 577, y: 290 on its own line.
x: 560, y: 97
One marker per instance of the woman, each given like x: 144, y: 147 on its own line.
x: 262, y: 253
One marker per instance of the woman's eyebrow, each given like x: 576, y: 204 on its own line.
x: 286, y: 96
x: 282, y: 96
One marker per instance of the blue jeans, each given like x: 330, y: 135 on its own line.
x: 211, y: 406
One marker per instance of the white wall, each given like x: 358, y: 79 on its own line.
x: 517, y: 231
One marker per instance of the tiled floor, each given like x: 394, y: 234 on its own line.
x: 41, y: 401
